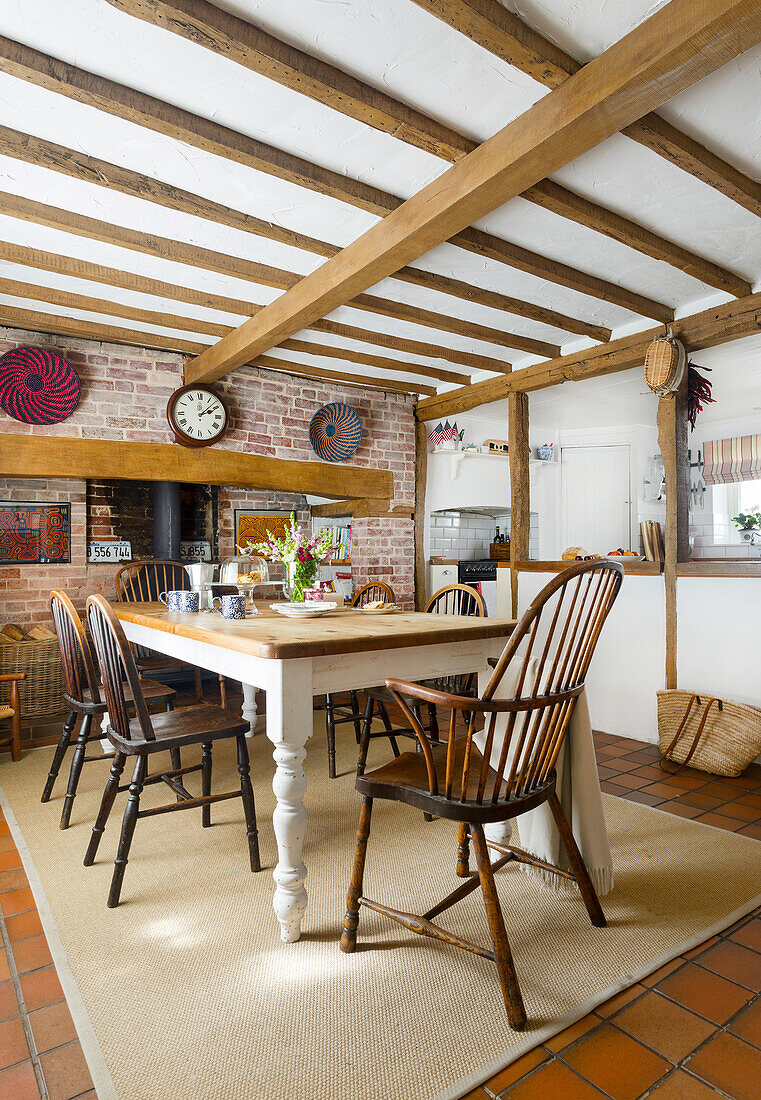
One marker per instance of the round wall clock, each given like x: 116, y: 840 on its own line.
x: 197, y: 415
x: 335, y: 431
x: 37, y: 386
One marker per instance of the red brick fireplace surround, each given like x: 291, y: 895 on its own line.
x: 124, y: 395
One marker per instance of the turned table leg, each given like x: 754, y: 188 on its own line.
x: 289, y: 726
x: 249, y: 710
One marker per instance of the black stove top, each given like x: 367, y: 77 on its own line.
x: 481, y: 569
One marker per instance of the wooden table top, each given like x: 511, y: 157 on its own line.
x: 345, y: 630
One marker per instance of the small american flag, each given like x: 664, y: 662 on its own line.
x: 437, y: 435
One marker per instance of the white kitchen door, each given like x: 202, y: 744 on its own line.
x: 595, y: 498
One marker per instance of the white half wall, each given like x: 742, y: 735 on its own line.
x: 719, y: 636
x: 629, y: 665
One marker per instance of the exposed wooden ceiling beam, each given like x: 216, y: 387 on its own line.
x: 223, y: 263
x: 241, y: 41
x: 47, y: 456
x: 670, y: 51
x: 164, y: 118
x: 287, y: 366
x: 14, y: 317
x: 69, y: 300
x: 333, y: 351
x: 507, y: 36
x: 70, y: 162
x: 717, y: 325
x: 109, y: 276
x: 578, y: 209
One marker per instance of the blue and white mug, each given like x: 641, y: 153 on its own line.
x: 230, y: 607
x: 181, y: 600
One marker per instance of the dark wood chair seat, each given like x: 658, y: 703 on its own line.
x: 406, y: 779
x: 145, y: 736
x: 188, y: 726
x: 514, y: 773
x: 157, y: 662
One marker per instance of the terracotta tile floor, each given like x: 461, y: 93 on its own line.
x: 690, y: 1031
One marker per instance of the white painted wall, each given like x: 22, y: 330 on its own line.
x: 629, y: 664
x: 719, y: 636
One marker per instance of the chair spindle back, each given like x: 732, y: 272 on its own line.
x: 457, y: 599
x: 142, y: 581
x: 370, y: 593
x: 117, y: 665
x: 552, y: 647
x: 79, y: 673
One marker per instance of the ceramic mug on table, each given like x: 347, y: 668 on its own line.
x: 181, y: 599
x: 230, y: 607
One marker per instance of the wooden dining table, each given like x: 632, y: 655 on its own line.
x: 293, y: 660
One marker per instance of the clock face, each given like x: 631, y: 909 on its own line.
x: 197, y: 416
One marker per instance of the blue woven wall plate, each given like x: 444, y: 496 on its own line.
x: 335, y: 432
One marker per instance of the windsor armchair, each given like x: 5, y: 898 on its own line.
x: 147, y: 736
x: 141, y: 581
x: 82, y: 693
x: 553, y: 645
x: 336, y: 713
x: 454, y: 599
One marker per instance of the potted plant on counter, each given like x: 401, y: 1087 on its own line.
x: 301, y: 557
x: 749, y: 524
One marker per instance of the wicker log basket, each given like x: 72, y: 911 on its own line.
x: 42, y: 690
x: 665, y: 362
x: 714, y: 735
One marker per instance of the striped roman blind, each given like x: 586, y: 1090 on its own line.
x: 728, y: 460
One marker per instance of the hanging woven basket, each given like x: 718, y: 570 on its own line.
x: 665, y: 363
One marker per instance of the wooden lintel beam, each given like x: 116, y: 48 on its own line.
x: 126, y: 280
x: 508, y: 37
x: 664, y: 55
x: 717, y: 325
x: 57, y: 76
x: 47, y: 456
x: 362, y: 509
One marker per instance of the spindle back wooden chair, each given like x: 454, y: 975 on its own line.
x: 146, y: 736
x: 453, y: 599
x: 552, y: 645
x: 336, y: 713
x: 82, y: 695
x: 144, y: 581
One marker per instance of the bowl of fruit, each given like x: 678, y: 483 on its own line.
x: 621, y: 553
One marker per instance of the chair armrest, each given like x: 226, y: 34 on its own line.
x: 433, y: 695
x: 6, y: 676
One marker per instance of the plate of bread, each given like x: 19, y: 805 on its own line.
x: 378, y: 607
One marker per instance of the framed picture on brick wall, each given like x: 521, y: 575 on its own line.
x: 34, y: 533
x: 252, y: 525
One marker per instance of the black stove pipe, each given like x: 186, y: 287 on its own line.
x: 166, y: 520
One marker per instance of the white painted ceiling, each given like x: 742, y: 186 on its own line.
x: 397, y: 47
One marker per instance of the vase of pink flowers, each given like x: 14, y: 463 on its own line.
x: 300, y: 556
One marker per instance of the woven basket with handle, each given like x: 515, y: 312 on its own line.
x: 665, y: 360
x: 711, y: 734
x: 42, y: 691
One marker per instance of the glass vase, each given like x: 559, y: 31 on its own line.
x: 300, y: 575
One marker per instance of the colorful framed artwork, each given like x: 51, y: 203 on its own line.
x: 34, y: 534
x: 252, y: 525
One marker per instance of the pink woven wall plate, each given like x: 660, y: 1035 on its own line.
x: 37, y: 386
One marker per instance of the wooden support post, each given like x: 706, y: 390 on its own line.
x: 421, y: 476
x: 520, y: 493
x: 672, y: 438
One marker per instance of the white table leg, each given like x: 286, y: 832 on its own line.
x: 289, y: 726
x: 248, y: 711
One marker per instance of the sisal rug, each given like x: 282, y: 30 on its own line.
x: 187, y: 992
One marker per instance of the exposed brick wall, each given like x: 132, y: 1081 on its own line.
x: 124, y: 395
